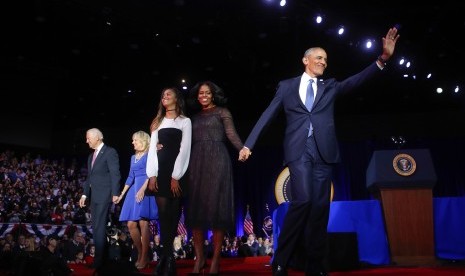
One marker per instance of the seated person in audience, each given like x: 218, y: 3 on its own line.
x: 6, y: 255
x: 30, y: 244
x: 52, y: 263
x: 89, y: 258
x: 72, y: 247
x: 20, y: 244
x: 157, y: 247
x: 244, y: 248
x: 253, y: 244
x: 57, y: 215
x: 178, y: 249
x: 79, y: 259
x: 261, y: 247
x: 268, y: 247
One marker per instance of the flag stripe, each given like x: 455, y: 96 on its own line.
x: 181, y: 226
x: 248, y: 224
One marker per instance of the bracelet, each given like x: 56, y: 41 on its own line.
x: 383, y: 61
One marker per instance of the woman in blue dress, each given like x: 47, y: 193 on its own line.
x: 138, y: 209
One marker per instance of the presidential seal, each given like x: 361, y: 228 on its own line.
x: 282, y: 188
x: 404, y: 164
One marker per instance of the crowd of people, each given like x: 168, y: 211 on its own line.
x: 42, y: 190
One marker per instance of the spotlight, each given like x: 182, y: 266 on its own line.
x: 368, y: 44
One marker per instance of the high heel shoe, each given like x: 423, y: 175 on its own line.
x: 215, y: 274
x: 141, y: 266
x: 201, y: 270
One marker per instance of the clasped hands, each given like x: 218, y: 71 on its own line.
x: 244, y: 154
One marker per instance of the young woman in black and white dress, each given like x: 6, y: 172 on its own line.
x: 167, y: 162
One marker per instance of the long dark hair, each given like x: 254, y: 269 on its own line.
x: 180, y: 105
x: 218, y: 95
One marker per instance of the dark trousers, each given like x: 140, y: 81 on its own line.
x: 99, y: 213
x: 307, y: 217
x: 169, y: 212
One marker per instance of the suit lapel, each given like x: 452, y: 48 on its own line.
x: 319, y: 91
x: 295, y: 87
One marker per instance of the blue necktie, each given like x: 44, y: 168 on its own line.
x: 309, y: 102
x: 310, y: 95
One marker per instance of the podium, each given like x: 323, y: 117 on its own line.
x: 403, y: 181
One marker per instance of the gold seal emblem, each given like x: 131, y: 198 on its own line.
x: 282, y: 187
x: 404, y: 164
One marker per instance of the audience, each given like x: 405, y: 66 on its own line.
x: 52, y: 262
x: 90, y: 254
x: 44, y: 191
x: 253, y: 244
x: 72, y: 247
x: 244, y: 249
x: 178, y: 248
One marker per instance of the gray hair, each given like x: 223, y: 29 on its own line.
x: 96, y: 132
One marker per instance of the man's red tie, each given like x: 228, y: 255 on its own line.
x: 93, y: 158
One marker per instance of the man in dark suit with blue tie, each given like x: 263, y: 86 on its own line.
x: 102, y: 187
x: 310, y: 151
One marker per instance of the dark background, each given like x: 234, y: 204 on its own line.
x: 71, y: 65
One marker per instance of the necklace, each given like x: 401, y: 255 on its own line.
x: 138, y: 157
x: 170, y: 110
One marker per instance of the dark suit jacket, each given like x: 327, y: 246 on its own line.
x: 298, y: 117
x: 104, y: 177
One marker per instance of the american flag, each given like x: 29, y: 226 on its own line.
x: 248, y: 224
x: 181, y: 227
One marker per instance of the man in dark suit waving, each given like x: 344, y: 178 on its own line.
x: 310, y: 151
x: 102, y: 186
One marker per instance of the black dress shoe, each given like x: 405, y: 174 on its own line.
x: 279, y: 270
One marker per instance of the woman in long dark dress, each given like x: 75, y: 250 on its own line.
x: 171, y: 131
x: 138, y: 209
x: 211, y: 191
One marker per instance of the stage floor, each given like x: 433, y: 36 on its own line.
x: 261, y: 266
